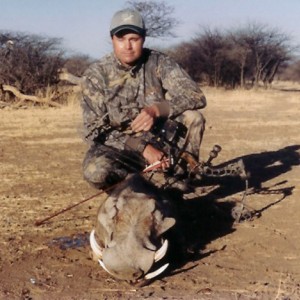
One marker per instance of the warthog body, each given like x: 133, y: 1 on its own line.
x: 128, y: 236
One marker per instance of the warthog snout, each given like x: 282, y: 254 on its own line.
x: 128, y: 236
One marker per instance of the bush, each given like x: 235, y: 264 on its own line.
x: 29, y: 62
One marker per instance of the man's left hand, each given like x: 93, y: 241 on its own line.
x: 153, y: 155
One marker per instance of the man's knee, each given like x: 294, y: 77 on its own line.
x: 193, y: 118
x: 102, y: 172
x: 95, y: 171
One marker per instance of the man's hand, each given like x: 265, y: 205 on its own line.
x: 145, y: 119
x: 144, y: 122
x: 153, y: 155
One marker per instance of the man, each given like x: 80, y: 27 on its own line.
x: 125, y: 95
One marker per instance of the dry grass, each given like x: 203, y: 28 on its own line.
x: 41, y: 154
x: 69, y: 95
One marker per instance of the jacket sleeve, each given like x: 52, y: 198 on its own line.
x: 93, y: 106
x: 182, y: 93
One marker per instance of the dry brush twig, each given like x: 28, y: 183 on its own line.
x: 23, y: 97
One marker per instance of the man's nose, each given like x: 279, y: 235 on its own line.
x: 128, y: 44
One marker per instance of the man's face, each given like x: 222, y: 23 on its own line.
x: 128, y: 47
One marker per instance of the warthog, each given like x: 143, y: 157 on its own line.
x: 128, y: 239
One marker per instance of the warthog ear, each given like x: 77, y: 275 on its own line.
x: 165, y: 225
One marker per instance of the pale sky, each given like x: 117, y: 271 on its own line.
x: 84, y: 24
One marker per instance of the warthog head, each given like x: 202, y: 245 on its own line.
x: 127, y: 239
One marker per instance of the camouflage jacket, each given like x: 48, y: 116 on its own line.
x: 114, y: 95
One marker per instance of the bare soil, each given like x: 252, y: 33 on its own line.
x: 41, y: 152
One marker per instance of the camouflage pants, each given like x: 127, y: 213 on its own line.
x: 195, y: 123
x: 104, y: 166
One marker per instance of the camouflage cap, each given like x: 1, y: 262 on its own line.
x: 127, y: 19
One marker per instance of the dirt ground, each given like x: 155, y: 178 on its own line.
x: 41, y: 152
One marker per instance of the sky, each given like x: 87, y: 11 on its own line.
x: 83, y: 25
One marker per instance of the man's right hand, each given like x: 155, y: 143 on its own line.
x: 145, y: 119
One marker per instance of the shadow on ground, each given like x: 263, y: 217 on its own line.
x: 203, y: 219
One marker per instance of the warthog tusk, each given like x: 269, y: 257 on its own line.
x: 103, y: 266
x: 161, y: 252
x: 94, y: 245
x: 156, y: 273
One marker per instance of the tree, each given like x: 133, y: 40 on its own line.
x: 254, y: 53
x: 29, y: 62
x: 157, y: 16
x: 185, y: 55
x: 206, y: 57
x: 240, y: 54
x: 290, y: 71
x: 265, y: 48
x: 211, y: 48
x: 77, y: 64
